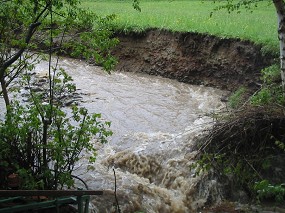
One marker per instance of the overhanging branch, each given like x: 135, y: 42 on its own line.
x: 31, y: 31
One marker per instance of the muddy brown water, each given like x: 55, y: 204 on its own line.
x: 156, y: 122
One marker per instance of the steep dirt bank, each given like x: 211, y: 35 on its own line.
x: 192, y: 58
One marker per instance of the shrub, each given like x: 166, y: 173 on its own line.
x: 271, y: 91
x: 41, y: 143
x: 237, y: 98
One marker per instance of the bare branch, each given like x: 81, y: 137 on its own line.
x: 117, y: 202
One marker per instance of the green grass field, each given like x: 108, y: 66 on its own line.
x: 259, y: 26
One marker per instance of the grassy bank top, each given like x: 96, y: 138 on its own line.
x: 259, y: 26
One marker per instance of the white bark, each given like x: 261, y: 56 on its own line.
x: 280, y: 9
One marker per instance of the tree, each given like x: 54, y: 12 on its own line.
x: 38, y: 141
x: 20, y: 20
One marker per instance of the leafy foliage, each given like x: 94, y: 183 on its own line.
x: 68, y: 136
x: 271, y: 91
x: 237, y: 98
x: 51, y: 26
x: 94, y: 44
x: 238, y: 6
x: 40, y: 140
x: 266, y: 190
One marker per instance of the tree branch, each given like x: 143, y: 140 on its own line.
x: 29, y: 35
x: 9, y: 62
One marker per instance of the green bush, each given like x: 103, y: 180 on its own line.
x: 41, y: 143
x: 266, y: 190
x: 237, y: 98
x: 271, y: 91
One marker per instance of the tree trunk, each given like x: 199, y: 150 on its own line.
x: 5, y: 92
x: 280, y: 9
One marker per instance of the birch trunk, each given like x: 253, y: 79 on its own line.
x: 280, y: 9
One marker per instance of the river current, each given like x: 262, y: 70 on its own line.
x: 156, y: 122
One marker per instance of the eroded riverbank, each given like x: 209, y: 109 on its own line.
x: 162, y: 121
x: 193, y: 58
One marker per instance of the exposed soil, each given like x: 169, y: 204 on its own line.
x: 192, y: 58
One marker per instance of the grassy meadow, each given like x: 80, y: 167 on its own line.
x: 259, y: 26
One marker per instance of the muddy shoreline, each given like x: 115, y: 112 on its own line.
x: 193, y: 58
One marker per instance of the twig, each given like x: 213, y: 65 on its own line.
x: 78, y: 178
x: 253, y: 169
x: 117, y: 202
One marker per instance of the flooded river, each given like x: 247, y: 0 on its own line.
x: 155, y: 123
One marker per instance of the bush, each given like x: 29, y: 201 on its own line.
x: 271, y: 91
x: 41, y: 143
x: 237, y: 98
x: 266, y: 190
x: 244, y: 149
